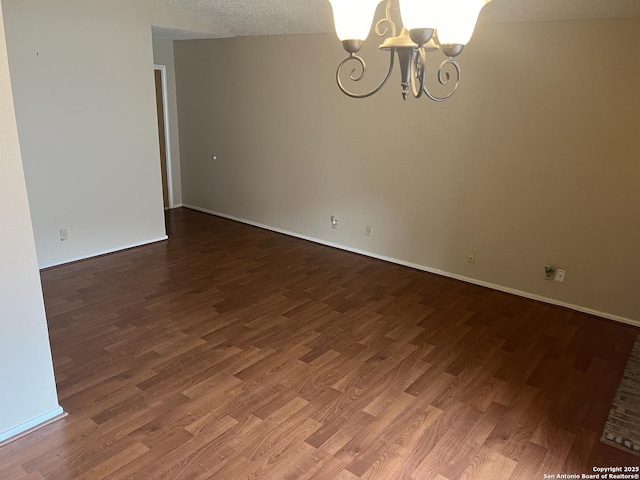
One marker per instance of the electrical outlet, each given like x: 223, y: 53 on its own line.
x: 559, y: 275
x: 334, y: 222
x: 63, y: 235
x: 369, y: 230
x: 471, y: 257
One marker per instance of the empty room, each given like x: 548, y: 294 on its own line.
x: 330, y: 239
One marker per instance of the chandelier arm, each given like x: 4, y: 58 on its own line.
x: 385, y: 24
x: 360, y: 76
x: 419, y: 68
x: 445, y: 79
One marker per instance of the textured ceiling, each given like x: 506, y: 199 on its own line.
x: 176, y: 34
x: 273, y: 17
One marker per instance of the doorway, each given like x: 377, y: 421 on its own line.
x: 160, y: 74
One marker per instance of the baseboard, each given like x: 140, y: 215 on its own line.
x: 102, y: 252
x: 501, y: 288
x: 34, y: 424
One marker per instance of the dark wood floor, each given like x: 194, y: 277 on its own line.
x: 231, y: 352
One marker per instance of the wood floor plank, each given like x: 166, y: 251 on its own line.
x: 488, y: 464
x: 232, y: 352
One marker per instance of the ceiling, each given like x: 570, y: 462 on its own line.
x: 275, y: 17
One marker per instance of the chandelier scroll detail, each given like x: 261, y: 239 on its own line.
x: 427, y: 26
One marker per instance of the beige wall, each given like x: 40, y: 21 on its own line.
x: 27, y: 386
x: 82, y: 72
x: 534, y: 161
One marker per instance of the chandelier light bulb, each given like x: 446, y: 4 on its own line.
x: 422, y: 14
x: 456, y: 28
x: 352, y: 18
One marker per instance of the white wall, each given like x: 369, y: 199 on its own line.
x: 82, y: 72
x: 27, y: 387
x: 163, y: 55
x: 533, y: 161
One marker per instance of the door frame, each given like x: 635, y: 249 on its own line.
x: 167, y: 139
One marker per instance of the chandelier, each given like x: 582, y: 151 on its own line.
x: 450, y: 22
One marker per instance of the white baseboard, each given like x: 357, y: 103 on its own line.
x: 103, y: 252
x: 31, y: 425
x: 501, y: 288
